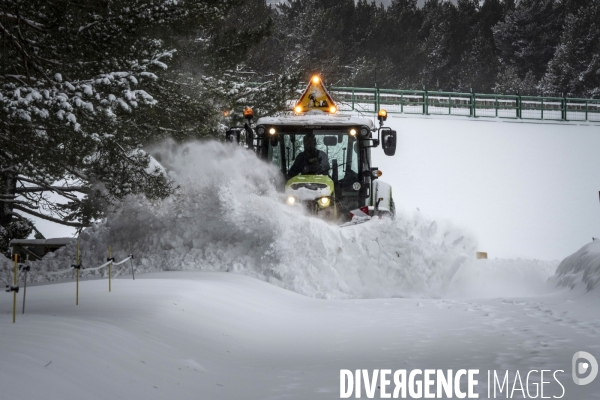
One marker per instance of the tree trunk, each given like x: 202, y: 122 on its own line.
x: 8, y: 187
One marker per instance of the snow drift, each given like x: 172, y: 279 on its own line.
x: 227, y: 215
x: 503, y: 278
x: 580, y: 269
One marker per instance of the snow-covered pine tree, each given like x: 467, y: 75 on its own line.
x: 400, y: 45
x: 526, y: 39
x: 77, y: 78
x: 508, y: 81
x: 479, y: 61
x: 575, y: 68
x: 439, y: 34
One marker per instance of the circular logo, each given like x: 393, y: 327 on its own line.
x: 356, y: 186
x: 580, y: 368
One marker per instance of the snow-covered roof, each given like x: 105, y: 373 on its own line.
x: 42, y: 242
x: 316, y: 118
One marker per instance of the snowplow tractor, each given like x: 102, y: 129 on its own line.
x: 325, y: 157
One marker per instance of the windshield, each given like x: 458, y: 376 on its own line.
x: 331, y: 148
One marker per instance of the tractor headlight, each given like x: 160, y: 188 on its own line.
x: 324, y: 201
x: 261, y: 130
x: 291, y: 200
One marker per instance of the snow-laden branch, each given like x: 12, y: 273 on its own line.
x: 28, y: 189
x: 62, y: 99
x: 46, y: 217
x: 35, y: 25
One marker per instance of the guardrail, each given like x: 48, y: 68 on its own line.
x: 424, y: 102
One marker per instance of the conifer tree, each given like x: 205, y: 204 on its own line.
x: 527, y: 38
x: 86, y: 84
x: 575, y: 68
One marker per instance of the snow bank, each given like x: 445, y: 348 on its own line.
x: 503, y: 278
x: 227, y: 215
x: 581, y: 269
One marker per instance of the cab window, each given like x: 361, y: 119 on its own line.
x: 337, y: 145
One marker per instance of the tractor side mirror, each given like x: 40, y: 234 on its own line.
x: 388, y: 141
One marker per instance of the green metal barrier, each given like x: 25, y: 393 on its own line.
x: 371, y: 100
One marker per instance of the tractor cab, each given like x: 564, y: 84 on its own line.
x: 325, y: 156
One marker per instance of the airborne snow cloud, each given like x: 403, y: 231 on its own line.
x: 227, y: 215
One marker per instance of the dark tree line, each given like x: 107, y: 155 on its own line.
x: 548, y: 47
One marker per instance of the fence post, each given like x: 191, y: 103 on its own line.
x: 586, y: 110
x: 518, y: 105
x: 473, y: 105
x: 131, y: 262
x: 77, y: 268
x: 15, y: 288
x: 401, y: 103
x: 496, y: 105
x: 110, y: 260
x: 26, y: 269
x: 449, y: 104
x: 425, y: 102
x: 377, y: 99
x: 542, y: 108
x: 353, y: 99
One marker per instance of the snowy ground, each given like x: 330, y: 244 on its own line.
x: 525, y: 189
x: 216, y: 335
x: 258, y: 301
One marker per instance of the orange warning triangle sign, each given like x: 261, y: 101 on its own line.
x: 315, y: 97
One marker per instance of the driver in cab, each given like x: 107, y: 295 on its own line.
x: 311, y: 161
